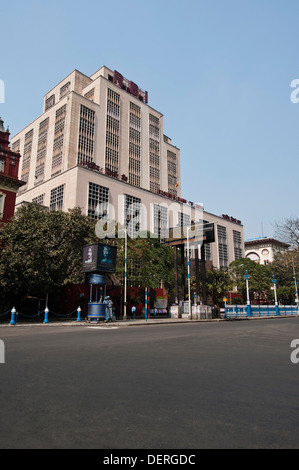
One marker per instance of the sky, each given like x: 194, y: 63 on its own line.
x: 220, y: 72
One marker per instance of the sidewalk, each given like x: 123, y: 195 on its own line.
x: 136, y: 322
x: 117, y: 323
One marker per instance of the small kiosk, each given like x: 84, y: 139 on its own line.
x: 98, y: 261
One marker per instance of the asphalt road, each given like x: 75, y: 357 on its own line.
x: 190, y: 386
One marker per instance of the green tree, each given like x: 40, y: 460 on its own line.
x: 260, y: 278
x: 148, y: 262
x: 218, y: 283
x: 285, y: 267
x: 41, y: 250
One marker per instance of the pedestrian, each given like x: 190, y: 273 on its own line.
x: 133, y: 311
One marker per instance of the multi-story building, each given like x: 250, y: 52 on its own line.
x: 100, y: 146
x: 9, y: 183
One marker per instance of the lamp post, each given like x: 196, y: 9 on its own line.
x: 296, y: 286
x: 275, y: 295
x: 189, y: 288
x: 247, y: 293
x: 125, y: 289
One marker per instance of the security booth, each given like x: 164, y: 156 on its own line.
x: 99, y: 260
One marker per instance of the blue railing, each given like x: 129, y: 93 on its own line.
x: 245, y: 311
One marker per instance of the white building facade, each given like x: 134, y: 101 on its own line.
x: 98, y: 145
x: 263, y: 250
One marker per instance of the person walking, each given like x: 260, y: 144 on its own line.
x: 133, y: 311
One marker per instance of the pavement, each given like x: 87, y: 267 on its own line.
x: 135, y: 322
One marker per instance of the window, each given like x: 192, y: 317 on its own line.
x: 112, y: 131
x: 50, y: 102
x: 132, y: 215
x: 56, y: 199
x: 160, y: 220
x: 183, y: 219
x: 172, y: 172
x: 222, y: 245
x: 98, y: 197
x: 2, y: 200
x: 208, y: 252
x: 237, y: 244
x: 86, y: 135
x: 39, y: 199
x: 65, y: 89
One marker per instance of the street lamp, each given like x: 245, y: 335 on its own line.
x: 125, y: 290
x: 247, y: 292
x: 275, y: 294
x: 189, y: 287
x: 126, y: 277
x: 296, y: 286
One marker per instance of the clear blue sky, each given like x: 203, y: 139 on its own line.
x: 219, y: 71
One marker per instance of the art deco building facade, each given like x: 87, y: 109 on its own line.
x: 100, y: 146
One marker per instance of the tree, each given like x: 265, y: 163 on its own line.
x: 218, y: 283
x: 149, y: 262
x: 260, y: 278
x: 285, y: 267
x: 288, y: 232
x: 41, y: 250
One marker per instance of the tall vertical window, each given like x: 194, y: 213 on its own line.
x: 160, y: 220
x: 132, y: 215
x: 56, y: 198
x: 222, y: 245
x: 154, y: 152
x: 58, y: 140
x: 2, y: 199
x: 86, y: 135
x: 41, y: 151
x: 183, y: 219
x: 112, y: 131
x: 134, y: 145
x: 98, y: 197
x: 172, y: 172
x: 237, y: 244
x: 26, y: 158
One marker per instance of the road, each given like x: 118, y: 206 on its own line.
x: 191, y: 386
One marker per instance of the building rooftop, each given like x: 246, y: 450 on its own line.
x: 263, y: 240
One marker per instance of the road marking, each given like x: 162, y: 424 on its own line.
x: 103, y: 327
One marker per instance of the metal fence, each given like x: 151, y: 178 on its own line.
x: 245, y: 311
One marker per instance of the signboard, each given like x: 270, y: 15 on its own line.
x: 99, y: 258
x: 130, y: 87
x: 200, y: 233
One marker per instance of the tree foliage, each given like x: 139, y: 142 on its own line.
x: 260, y: 278
x: 148, y: 261
x: 42, y: 250
x: 218, y: 283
